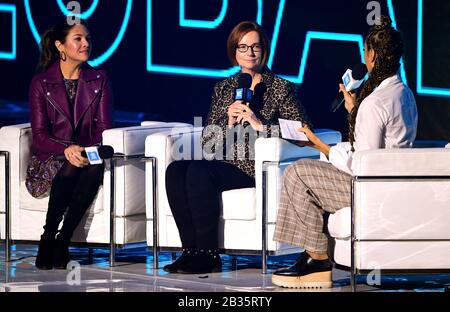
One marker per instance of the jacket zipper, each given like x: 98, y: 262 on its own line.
x: 57, y: 108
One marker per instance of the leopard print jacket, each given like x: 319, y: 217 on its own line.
x: 236, y: 145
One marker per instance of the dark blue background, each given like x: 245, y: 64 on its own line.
x: 143, y: 95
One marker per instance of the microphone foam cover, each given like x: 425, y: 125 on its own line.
x: 244, y: 80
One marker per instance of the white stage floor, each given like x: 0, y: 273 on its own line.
x: 134, y: 273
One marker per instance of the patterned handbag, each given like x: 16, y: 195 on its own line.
x: 40, y: 175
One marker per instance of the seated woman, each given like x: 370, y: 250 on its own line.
x: 70, y: 106
x: 194, y: 187
x: 383, y: 116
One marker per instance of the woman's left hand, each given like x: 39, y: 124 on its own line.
x: 314, y: 141
x: 249, y: 116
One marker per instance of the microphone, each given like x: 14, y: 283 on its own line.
x: 104, y: 151
x: 94, y: 154
x: 352, y: 80
x: 243, y: 92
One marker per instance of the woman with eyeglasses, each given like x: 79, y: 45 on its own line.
x: 194, y: 187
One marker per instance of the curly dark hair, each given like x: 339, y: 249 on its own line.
x: 388, y: 45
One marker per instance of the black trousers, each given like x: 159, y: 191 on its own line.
x: 194, y: 190
x: 73, y: 190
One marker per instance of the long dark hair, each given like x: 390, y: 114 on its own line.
x: 388, y: 45
x: 49, y: 52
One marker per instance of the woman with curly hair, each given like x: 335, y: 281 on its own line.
x: 384, y: 115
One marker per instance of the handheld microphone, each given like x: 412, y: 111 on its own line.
x: 243, y: 92
x: 95, y: 154
x: 352, y: 80
x: 104, y: 151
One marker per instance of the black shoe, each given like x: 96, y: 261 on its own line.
x: 202, y: 261
x: 44, y: 258
x: 305, y: 273
x: 61, y: 255
x: 174, y: 266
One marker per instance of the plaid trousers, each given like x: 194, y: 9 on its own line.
x: 310, y: 187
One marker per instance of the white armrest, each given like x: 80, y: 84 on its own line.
x: 16, y: 139
x: 130, y: 176
x: 276, y: 149
x: 407, y: 207
x: 160, y: 123
x: 402, y: 162
x: 131, y: 140
x: 10, y: 137
x: 447, y: 146
x: 168, y: 146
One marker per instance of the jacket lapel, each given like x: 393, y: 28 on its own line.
x: 88, y: 89
x: 267, y: 78
x: 56, y: 90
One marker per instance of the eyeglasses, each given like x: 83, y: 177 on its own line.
x: 244, y: 48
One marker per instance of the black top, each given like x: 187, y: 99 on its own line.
x: 71, y: 89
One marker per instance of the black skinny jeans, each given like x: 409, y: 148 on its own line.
x: 194, y: 190
x: 73, y: 190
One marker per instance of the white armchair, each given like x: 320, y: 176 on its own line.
x: 400, y: 214
x: 24, y: 216
x: 248, y: 215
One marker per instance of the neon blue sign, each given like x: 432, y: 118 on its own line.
x: 216, y: 22
x: 11, y: 8
x: 107, y: 54
x: 184, y: 22
x: 421, y: 89
x: 192, y: 71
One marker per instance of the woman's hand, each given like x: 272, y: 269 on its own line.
x: 73, y: 155
x: 248, y: 115
x: 350, y: 98
x: 314, y: 141
x: 234, y: 110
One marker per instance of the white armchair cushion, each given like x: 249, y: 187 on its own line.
x: 165, y: 124
x: 339, y: 223
x: 239, y: 204
x: 130, y: 175
x: 28, y: 213
x: 165, y: 146
x: 241, y: 208
x: 406, y: 219
x: 402, y: 161
x: 414, y: 255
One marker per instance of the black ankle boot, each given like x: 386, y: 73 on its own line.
x: 61, y: 254
x: 44, y: 258
x: 174, y: 266
x: 202, y: 261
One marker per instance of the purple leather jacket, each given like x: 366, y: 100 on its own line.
x: 54, y: 126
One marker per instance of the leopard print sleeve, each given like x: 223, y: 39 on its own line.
x: 214, y: 133
x: 284, y: 103
x: 292, y: 108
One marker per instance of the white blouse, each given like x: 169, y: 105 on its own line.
x: 387, y: 118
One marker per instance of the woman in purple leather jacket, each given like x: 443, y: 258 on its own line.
x: 70, y: 105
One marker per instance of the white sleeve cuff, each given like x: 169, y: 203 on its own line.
x: 340, y: 156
